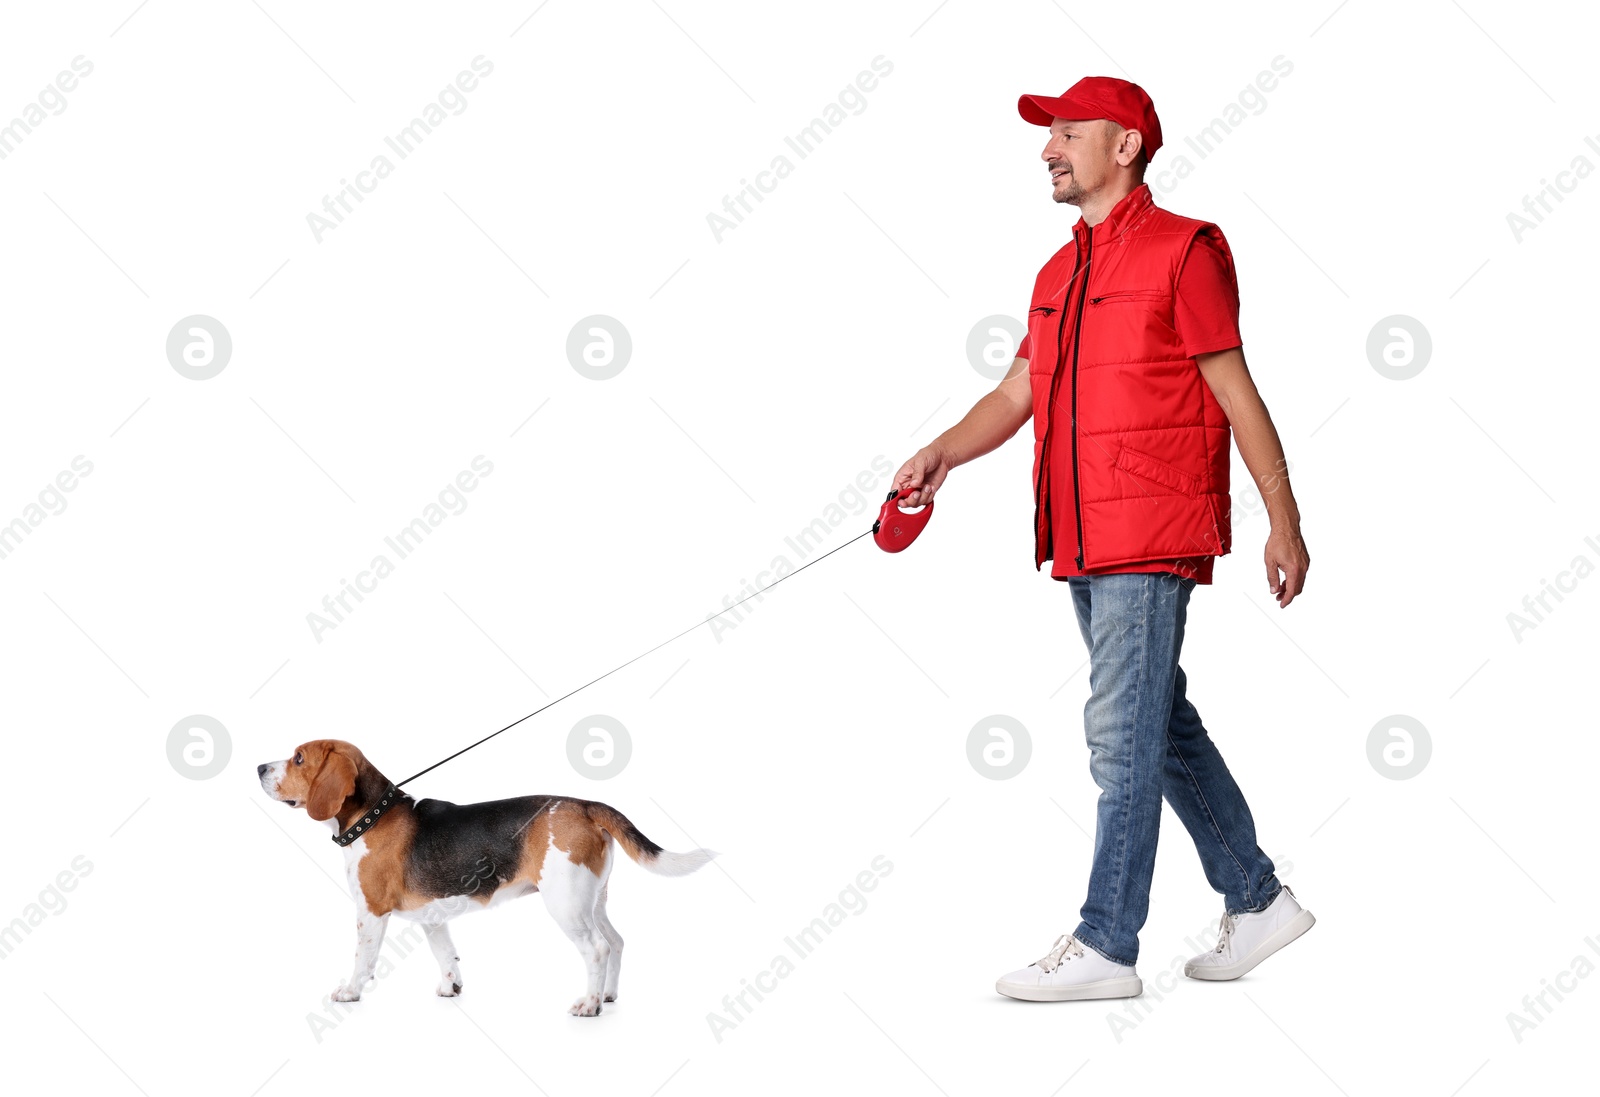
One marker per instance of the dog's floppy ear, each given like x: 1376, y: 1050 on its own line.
x: 334, y: 783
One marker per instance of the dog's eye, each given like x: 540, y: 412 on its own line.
x: 299, y: 758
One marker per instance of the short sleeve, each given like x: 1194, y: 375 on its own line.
x: 1022, y: 351
x: 1206, y: 308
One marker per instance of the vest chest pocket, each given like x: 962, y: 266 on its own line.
x: 1118, y: 296
x: 1140, y: 313
x: 1043, y: 327
x: 1145, y: 467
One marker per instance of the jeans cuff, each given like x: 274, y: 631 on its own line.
x: 1091, y: 941
x: 1264, y: 904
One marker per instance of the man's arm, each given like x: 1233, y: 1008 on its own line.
x: 1229, y: 378
x: 992, y: 420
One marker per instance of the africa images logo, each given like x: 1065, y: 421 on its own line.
x: 852, y: 98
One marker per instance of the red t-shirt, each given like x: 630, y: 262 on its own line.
x: 1206, y: 314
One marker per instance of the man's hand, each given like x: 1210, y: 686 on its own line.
x: 1286, y: 552
x: 924, y: 473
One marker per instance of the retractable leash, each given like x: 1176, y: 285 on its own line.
x: 893, y: 531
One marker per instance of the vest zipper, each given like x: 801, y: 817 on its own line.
x: 1077, y: 340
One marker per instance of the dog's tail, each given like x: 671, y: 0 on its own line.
x: 650, y: 856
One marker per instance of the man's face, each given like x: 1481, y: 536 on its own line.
x: 1080, y: 156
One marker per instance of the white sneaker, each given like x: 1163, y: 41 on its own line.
x: 1069, y: 971
x: 1248, y: 939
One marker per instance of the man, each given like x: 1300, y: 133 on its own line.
x: 1133, y: 374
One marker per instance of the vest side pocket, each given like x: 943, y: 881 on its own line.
x: 1156, y: 471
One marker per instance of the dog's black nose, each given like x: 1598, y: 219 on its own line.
x: 261, y: 770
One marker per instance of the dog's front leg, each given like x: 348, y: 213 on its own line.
x: 369, y: 938
x: 444, y: 951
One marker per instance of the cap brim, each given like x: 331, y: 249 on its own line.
x: 1043, y: 110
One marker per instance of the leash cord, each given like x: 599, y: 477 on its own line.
x: 641, y: 655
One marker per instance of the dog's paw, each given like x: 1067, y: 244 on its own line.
x: 587, y: 1006
x: 448, y: 989
x: 611, y: 996
x: 346, y: 994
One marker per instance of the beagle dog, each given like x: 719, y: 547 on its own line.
x: 430, y: 860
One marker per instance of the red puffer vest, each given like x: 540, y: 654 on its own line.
x: 1130, y: 456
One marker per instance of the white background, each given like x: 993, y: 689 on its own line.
x: 769, y: 369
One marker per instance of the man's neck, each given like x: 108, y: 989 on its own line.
x: 1097, y: 206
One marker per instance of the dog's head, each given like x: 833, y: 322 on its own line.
x: 319, y: 776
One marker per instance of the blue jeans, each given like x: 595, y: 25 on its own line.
x: 1146, y: 742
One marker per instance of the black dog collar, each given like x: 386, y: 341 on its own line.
x: 390, y: 797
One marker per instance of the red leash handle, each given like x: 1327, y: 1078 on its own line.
x: 895, y: 529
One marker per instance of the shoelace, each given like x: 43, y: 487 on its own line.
x: 1064, y: 944
x: 1225, y: 931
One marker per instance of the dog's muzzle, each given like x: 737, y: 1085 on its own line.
x: 271, y: 773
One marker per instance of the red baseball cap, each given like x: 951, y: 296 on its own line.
x: 1123, y: 102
